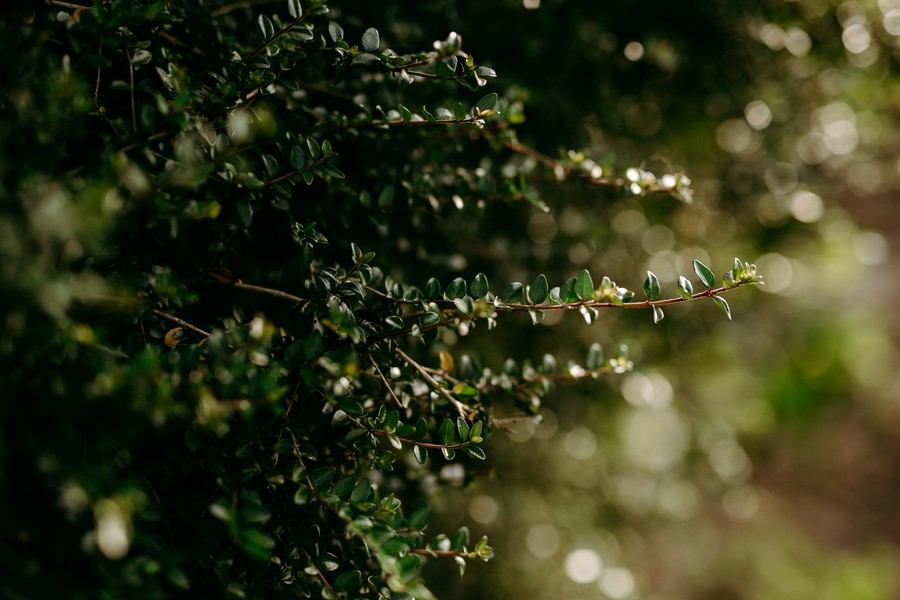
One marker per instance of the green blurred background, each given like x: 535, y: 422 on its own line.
x: 751, y: 459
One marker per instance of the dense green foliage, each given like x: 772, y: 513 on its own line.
x: 239, y: 248
x: 303, y: 300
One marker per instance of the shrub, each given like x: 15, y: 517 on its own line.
x: 238, y: 253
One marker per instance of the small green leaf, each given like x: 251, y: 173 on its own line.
x: 658, y: 314
x: 347, y: 581
x: 265, y: 26
x: 476, y: 432
x: 584, y: 285
x: 460, y: 539
x: 462, y: 426
x: 371, y: 40
x: 447, y: 433
x: 391, y: 420
x: 344, y: 487
x: 361, y: 492
x: 421, y: 429
x: 421, y: 454
x: 430, y: 318
x: 488, y: 103
x: 567, y: 291
x: 315, y: 152
x: 537, y: 293
x: 335, y: 31
x: 298, y: 159
x: 433, y: 289
x: 475, y: 452
x: 479, y: 287
x: 271, y: 165
x: 322, y: 476
x: 294, y: 9
x: 594, y: 359
x: 651, y: 286
x: 386, y: 197
x: 738, y: 268
x: 685, y: 288
x: 705, y: 275
x: 457, y: 288
x: 512, y: 293
x: 723, y: 305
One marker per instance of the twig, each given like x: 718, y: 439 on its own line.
x: 462, y: 408
x: 386, y: 384
x: 131, y: 89
x: 139, y: 308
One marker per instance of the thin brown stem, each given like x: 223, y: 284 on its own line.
x: 432, y: 382
x: 385, y: 381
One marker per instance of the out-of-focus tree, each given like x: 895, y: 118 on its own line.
x: 730, y: 470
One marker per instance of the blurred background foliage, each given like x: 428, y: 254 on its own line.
x: 747, y: 459
x: 753, y: 459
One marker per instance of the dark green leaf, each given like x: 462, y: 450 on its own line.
x: 265, y: 26
x: 487, y: 103
x: 447, y: 433
x: 344, y: 487
x: 705, y: 275
x: 347, y: 581
x: 651, y: 286
x: 430, y: 318
x: 512, y: 293
x: 421, y: 429
x: 457, y: 288
x: 658, y: 314
x: 462, y: 426
x: 386, y: 197
x: 361, y: 492
x: 479, y: 287
x: 391, y: 420
x: 433, y: 289
x: 567, y: 291
x: 315, y: 152
x: 421, y: 454
x: 584, y: 285
x: 271, y: 165
x: 294, y: 9
x: 395, y: 546
x: 460, y: 539
x: 537, y: 293
x: 298, y: 159
x: 723, y: 305
x: 322, y: 476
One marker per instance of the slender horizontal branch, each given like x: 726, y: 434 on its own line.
x: 380, y: 433
x: 140, y: 308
